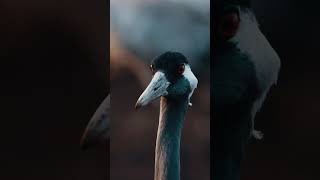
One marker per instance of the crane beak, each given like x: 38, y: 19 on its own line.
x: 156, y: 88
x: 98, y: 128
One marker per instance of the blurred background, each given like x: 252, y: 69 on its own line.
x: 139, y: 31
x: 54, y: 74
x: 290, y: 116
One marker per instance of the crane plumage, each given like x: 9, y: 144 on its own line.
x: 174, y: 82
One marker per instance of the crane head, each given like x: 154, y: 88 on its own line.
x: 172, y: 78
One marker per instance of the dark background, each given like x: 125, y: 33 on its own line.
x: 53, y: 75
x: 290, y: 116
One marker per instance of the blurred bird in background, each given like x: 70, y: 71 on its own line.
x: 245, y: 67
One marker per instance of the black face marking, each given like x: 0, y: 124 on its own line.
x: 169, y: 63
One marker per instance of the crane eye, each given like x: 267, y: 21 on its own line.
x: 181, y: 68
x: 229, y: 24
x: 152, y: 69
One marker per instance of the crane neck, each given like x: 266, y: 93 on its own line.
x: 167, y: 155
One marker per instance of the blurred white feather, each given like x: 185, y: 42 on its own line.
x: 253, y: 43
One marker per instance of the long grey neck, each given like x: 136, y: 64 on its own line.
x: 167, y: 158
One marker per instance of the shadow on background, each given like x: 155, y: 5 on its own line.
x: 53, y: 74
